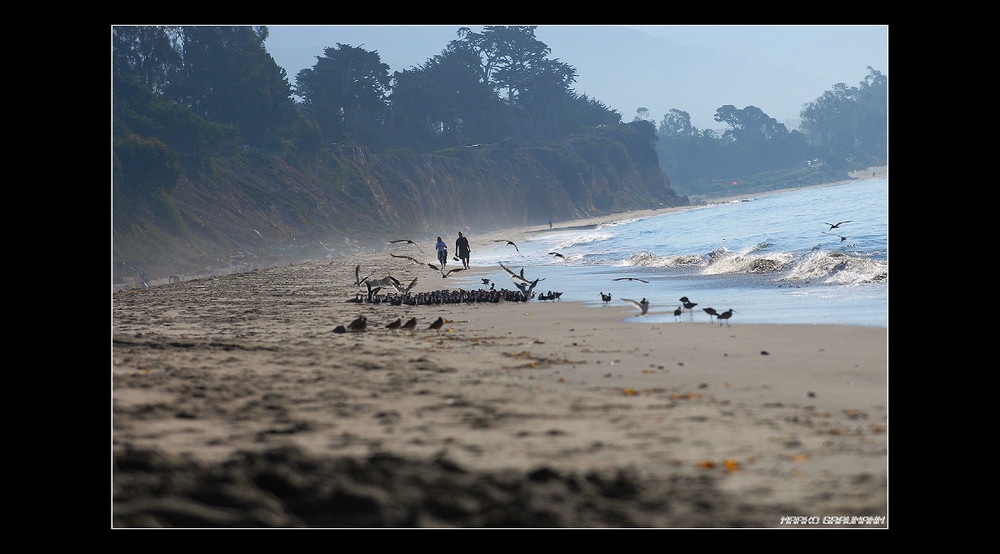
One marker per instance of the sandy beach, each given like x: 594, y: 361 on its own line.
x: 235, y: 404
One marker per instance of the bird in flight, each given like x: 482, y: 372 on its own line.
x: 836, y: 225
x: 408, y: 241
x: 556, y: 254
x: 414, y: 260
x: 510, y: 243
x: 445, y: 274
x: 515, y: 276
x: 631, y: 279
x: 357, y: 276
x: 642, y: 305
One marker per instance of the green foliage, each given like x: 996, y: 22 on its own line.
x: 143, y: 167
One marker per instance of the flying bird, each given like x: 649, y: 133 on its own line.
x: 836, y: 225
x: 408, y: 241
x: 631, y: 279
x: 445, y: 274
x: 357, y: 276
x: 414, y: 260
x: 515, y: 276
x: 510, y: 243
x: 372, y: 291
x: 556, y: 254
x: 642, y: 305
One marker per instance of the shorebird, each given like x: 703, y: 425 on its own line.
x: 711, y: 312
x: 642, y: 305
x: 399, y: 286
x: 437, y: 323
x: 486, y: 281
x: 445, y: 274
x: 410, y: 323
x: 414, y: 260
x: 395, y: 324
x: 357, y: 276
x: 678, y: 312
x: 372, y: 291
x: 515, y: 276
x: 836, y: 225
x: 408, y: 241
x: 726, y: 315
x: 359, y: 324
x: 688, y: 304
x: 510, y: 243
x: 631, y: 279
x: 605, y: 298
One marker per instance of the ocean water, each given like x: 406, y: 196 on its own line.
x: 771, y: 258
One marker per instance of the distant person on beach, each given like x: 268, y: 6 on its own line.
x: 462, y: 247
x: 442, y: 250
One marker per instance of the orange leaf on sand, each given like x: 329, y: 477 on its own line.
x: 732, y: 465
x: 706, y: 464
x: 630, y: 392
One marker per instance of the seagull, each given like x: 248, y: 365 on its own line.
x: 414, y: 260
x: 444, y: 274
x: 406, y: 241
x: 486, y: 281
x: 526, y: 289
x: 605, y: 298
x: 643, y: 305
x: 437, y: 323
x: 631, y: 279
x: 395, y: 324
x: 358, y: 324
x: 372, y: 291
x: 357, y: 276
x: 399, y: 286
x: 410, y: 323
x: 726, y: 315
x: 558, y: 255
x: 689, y: 305
x: 510, y: 243
x: 515, y: 276
x: 836, y: 225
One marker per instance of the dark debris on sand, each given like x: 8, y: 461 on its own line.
x: 287, y: 488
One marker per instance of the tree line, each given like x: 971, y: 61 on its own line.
x: 182, y: 92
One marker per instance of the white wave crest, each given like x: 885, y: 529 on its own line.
x: 649, y: 259
x: 585, y: 239
x: 723, y: 262
x: 839, y: 269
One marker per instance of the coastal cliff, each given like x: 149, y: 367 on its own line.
x: 257, y: 209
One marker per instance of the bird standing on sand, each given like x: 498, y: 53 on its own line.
x: 726, y: 315
x: 678, y: 312
x: 605, y: 298
x: 410, y: 323
x: 437, y: 323
x: 642, y: 305
x: 395, y: 324
x: 836, y: 225
x: 688, y: 304
x: 510, y: 243
x: 711, y: 312
x: 359, y: 324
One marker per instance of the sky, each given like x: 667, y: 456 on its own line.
x: 694, y: 68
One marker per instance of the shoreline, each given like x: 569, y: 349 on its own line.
x: 517, y: 414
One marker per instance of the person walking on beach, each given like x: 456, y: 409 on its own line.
x: 442, y: 250
x: 462, y: 247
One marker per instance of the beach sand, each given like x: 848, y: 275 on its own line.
x: 234, y: 404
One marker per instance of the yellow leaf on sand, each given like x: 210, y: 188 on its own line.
x: 732, y: 465
x: 630, y: 391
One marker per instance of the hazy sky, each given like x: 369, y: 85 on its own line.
x: 776, y: 68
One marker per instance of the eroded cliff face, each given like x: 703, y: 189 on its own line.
x: 254, y: 206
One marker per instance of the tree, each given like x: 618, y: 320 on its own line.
x: 346, y: 93
x: 146, y: 55
x: 677, y: 123
x: 228, y: 77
